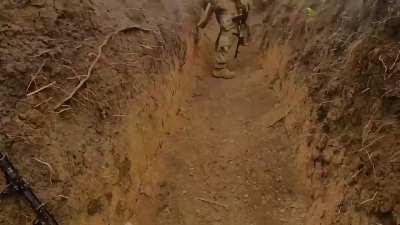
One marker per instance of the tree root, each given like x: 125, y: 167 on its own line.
x: 95, y: 61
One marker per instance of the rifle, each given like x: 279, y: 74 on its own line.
x: 243, y: 28
x: 17, y: 185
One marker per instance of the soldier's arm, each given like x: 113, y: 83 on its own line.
x: 206, y: 16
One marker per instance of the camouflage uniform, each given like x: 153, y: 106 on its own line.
x: 225, y: 11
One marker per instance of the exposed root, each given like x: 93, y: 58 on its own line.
x: 371, y: 161
x: 76, y: 75
x: 65, y: 109
x: 79, y: 77
x: 365, y: 149
x: 396, y: 61
x: 365, y: 90
x: 394, y: 157
x: 41, y: 89
x: 44, y: 102
x: 34, y: 76
x: 383, y: 64
x: 95, y: 61
x: 62, y: 197
x: 51, y: 170
x: 369, y: 200
x: 371, y: 143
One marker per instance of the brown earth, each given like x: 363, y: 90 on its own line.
x: 306, y: 134
x: 228, y: 164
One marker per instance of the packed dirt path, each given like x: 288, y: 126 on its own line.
x: 225, y: 166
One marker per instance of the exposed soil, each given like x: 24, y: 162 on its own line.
x: 224, y: 165
x: 108, y: 110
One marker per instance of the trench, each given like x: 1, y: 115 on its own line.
x: 229, y: 158
x: 177, y: 147
x: 152, y: 139
x: 225, y: 165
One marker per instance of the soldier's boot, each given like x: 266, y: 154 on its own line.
x: 223, y: 74
x: 244, y: 41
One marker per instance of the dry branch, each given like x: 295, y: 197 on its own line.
x: 95, y: 61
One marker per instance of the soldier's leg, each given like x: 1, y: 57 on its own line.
x: 224, y: 52
x: 244, y: 36
x: 224, y: 48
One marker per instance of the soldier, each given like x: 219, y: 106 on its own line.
x: 226, y: 12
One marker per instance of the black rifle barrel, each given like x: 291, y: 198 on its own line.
x: 16, y: 184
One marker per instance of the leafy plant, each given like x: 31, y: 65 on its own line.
x: 310, y: 12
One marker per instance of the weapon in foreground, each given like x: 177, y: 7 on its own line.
x: 16, y: 185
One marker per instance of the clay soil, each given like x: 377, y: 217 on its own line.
x: 227, y: 163
x: 108, y: 110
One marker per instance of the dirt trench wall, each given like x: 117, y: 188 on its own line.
x: 90, y: 158
x: 335, y: 63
